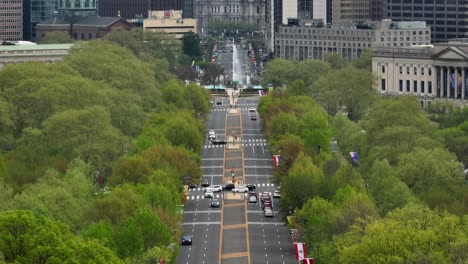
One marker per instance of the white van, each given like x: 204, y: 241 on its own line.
x: 211, y: 134
x: 252, y: 110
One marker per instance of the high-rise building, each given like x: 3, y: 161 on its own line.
x: 447, y: 18
x: 211, y: 14
x: 11, y: 20
x: 377, y: 9
x: 127, y: 9
x: 350, y: 11
x: 34, y: 12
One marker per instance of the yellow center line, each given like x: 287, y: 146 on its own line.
x: 233, y: 226
x: 234, y: 205
x: 235, y: 255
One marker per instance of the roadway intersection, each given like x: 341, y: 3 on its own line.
x: 237, y: 232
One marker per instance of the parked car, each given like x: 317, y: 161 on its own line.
x: 268, y: 212
x: 277, y: 194
x: 228, y: 187
x: 186, y: 239
x: 251, y: 187
x: 252, y: 199
x: 209, y: 194
x: 240, y: 189
x: 205, y: 183
x: 215, y: 203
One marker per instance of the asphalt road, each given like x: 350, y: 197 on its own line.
x: 268, y: 237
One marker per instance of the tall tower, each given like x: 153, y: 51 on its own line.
x: 11, y: 20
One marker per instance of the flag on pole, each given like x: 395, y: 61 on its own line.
x: 308, y: 261
x: 354, y: 157
x: 276, y: 160
x: 300, y: 251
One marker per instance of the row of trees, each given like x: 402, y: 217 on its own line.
x: 95, y: 149
x: 404, y: 201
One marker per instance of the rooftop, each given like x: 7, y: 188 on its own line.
x: 35, y: 47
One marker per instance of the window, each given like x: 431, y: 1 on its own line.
x: 408, y: 86
x: 401, y: 85
x: 401, y: 69
x: 415, y: 86
x: 422, y: 87
x: 422, y: 71
x: 429, y: 71
x: 383, y: 84
x: 429, y: 87
x: 415, y: 71
x: 383, y: 68
x: 407, y: 70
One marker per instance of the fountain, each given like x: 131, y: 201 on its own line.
x: 237, y: 69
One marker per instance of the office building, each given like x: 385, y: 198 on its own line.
x: 350, y: 11
x: 429, y: 72
x: 170, y: 22
x: 35, y: 12
x: 448, y: 19
x: 11, y: 20
x: 313, y: 40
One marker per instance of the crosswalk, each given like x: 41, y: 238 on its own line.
x: 257, y: 185
x: 227, y: 109
x: 243, y: 145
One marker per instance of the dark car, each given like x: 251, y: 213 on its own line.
x: 218, y: 141
x: 215, y: 203
x: 251, y: 187
x: 267, y: 204
x: 205, y: 183
x: 186, y: 240
x: 228, y: 187
x: 253, y: 117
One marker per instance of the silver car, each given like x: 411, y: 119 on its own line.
x: 267, y: 212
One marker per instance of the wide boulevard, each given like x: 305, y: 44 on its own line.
x: 237, y: 232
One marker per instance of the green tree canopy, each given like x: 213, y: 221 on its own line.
x: 191, y: 46
x: 57, y: 38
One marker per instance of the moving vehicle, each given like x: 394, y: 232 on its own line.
x: 215, y: 203
x: 277, y: 194
x: 211, y: 134
x: 214, y: 188
x: 193, y: 185
x: 218, y: 141
x: 253, y: 199
x: 267, y: 204
x: 251, y: 187
x: 228, y: 187
x: 209, y: 194
x: 253, y: 117
x: 186, y: 240
x: 268, y: 212
x: 205, y: 183
x: 252, y: 110
x: 240, y: 189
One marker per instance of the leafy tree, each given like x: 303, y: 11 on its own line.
x: 347, y: 133
x: 336, y: 61
x: 288, y: 147
x: 317, y: 218
x: 115, y: 207
x: 212, y: 73
x: 191, y: 45
x: 387, y: 191
x: 130, y: 169
x: 315, y: 132
x: 87, y: 134
x: 298, y: 88
x: 101, y: 231
x: 25, y: 238
x: 364, y: 61
x: 7, y: 124
x: 407, y: 235
x: 127, y: 39
x: 57, y: 38
x: 301, y: 183
x: 456, y: 141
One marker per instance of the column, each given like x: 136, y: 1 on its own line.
x: 455, y: 82
x: 463, y: 83
x: 447, y: 82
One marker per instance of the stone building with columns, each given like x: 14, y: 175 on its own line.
x: 429, y: 72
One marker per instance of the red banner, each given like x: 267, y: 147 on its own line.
x: 300, y: 251
x: 308, y: 261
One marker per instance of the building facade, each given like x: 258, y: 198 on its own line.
x: 35, y: 12
x: 350, y: 11
x: 211, y: 12
x: 127, y: 9
x: 170, y: 22
x: 314, y: 41
x: 448, y: 19
x: 430, y: 72
x: 11, y: 20
x: 49, y: 53
x: 378, y: 10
